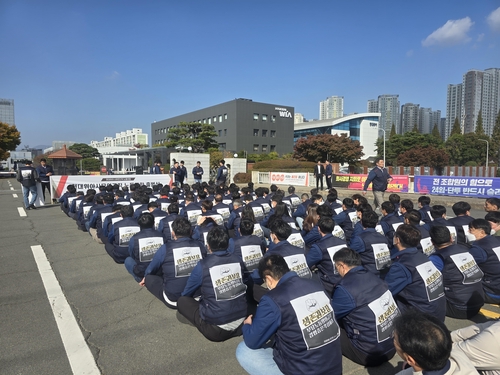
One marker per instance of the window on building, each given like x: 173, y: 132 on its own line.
x: 256, y: 147
x: 220, y: 133
x: 264, y: 117
x: 264, y: 132
x: 225, y: 116
x: 273, y: 148
x: 264, y: 148
x: 215, y: 118
x: 209, y: 120
x: 256, y: 132
x: 225, y: 132
x: 220, y: 118
x: 273, y: 133
x: 222, y: 146
x: 273, y: 118
x: 256, y: 117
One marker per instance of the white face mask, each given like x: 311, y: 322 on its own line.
x: 493, y: 232
x: 470, y: 237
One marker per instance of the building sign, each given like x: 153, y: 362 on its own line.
x: 478, y: 187
x: 283, y: 112
x: 399, y: 184
x: 58, y: 184
x: 284, y: 178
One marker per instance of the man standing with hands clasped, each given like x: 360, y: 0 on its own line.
x: 379, y: 177
x: 319, y: 172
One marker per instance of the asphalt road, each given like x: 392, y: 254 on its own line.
x: 127, y: 330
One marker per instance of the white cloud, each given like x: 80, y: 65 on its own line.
x: 480, y: 37
x: 493, y: 19
x: 409, y: 53
x: 114, y: 75
x: 452, y: 32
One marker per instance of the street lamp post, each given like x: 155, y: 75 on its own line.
x: 487, y: 151
x: 384, y: 142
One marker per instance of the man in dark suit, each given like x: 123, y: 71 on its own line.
x: 319, y: 172
x: 328, y: 174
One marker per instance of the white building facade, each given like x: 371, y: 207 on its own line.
x: 331, y: 108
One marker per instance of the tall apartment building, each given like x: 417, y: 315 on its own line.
x: 126, y: 139
x: 372, y: 106
x: 471, y: 99
x: 298, y: 118
x: 427, y: 119
x: 490, y: 105
x: 453, y: 107
x: 7, y: 111
x: 388, y: 107
x: 409, y: 117
x: 332, y: 107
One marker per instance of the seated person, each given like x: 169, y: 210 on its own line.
x: 168, y: 272
x: 347, y: 218
x: 293, y: 311
x: 461, y: 275
x: 424, y: 202
x: 222, y: 307
x: 248, y: 247
x: 120, y: 234
x: 424, y: 342
x: 461, y: 220
x: 389, y: 221
x: 365, y: 310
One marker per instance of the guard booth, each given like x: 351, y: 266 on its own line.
x: 64, y: 161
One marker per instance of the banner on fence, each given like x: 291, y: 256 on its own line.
x: 399, y: 184
x: 58, y: 184
x: 284, y: 178
x: 478, y: 187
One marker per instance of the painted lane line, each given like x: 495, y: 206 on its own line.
x: 21, y: 211
x: 14, y: 195
x: 79, y: 355
x: 11, y: 188
x: 489, y: 314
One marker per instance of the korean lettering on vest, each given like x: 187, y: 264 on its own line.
x: 70, y: 201
x: 296, y: 239
x: 427, y: 246
x: 467, y: 267
x: 77, y: 204
x: 331, y: 251
x: 148, y: 248
x: 258, y: 212
x: 227, y: 281
x: 354, y: 218
x: 86, y: 210
x: 453, y: 233
x: 338, y: 210
x: 185, y: 259
x: 125, y: 234
x: 338, y: 232
x: 379, y: 229
x: 157, y: 221
x: 193, y: 216
x: 26, y: 173
x: 257, y: 230
x: 433, y: 280
x: 385, y: 310
x: 295, y: 201
x: 251, y: 255
x: 164, y: 206
x: 224, y: 212
x: 298, y: 264
x: 218, y: 219
x: 224, y: 171
x: 316, y: 319
x: 266, y: 207
x: 382, y: 255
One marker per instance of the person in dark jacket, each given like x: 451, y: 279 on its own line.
x: 120, y: 234
x: 319, y: 172
x: 44, y: 172
x: 222, y: 173
x: 28, y: 176
x: 300, y: 316
x: 379, y: 177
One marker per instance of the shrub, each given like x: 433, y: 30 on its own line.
x: 242, y: 178
x: 282, y: 165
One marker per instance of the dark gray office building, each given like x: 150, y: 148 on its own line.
x: 241, y: 125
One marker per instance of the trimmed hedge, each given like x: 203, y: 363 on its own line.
x: 242, y: 178
x: 284, y: 166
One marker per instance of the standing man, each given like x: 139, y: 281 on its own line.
x: 44, y: 172
x: 176, y: 173
x: 27, y: 176
x: 379, y: 177
x: 319, y: 171
x: 328, y: 174
x: 221, y: 173
x: 197, y: 172
x: 184, y: 173
x: 156, y: 168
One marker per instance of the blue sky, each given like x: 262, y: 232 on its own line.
x: 83, y: 70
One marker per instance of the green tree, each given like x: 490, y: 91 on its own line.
x: 435, y: 132
x: 393, y: 131
x: 479, y: 124
x: 415, y: 129
x: 192, y: 134
x: 90, y: 164
x: 85, y: 150
x: 10, y: 138
x: 339, y: 149
x: 495, y: 140
x: 456, y: 129
x: 464, y: 148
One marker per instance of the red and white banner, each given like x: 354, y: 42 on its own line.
x: 58, y: 184
x: 286, y: 178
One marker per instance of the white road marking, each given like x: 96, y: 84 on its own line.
x: 14, y: 195
x: 79, y: 355
x: 11, y: 188
x: 21, y: 211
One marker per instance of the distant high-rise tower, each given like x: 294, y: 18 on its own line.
x: 453, y: 107
x: 388, y: 106
x: 490, y: 105
x: 427, y: 118
x: 332, y: 107
x: 471, y: 99
x: 7, y: 111
x: 409, y: 117
x: 372, y: 106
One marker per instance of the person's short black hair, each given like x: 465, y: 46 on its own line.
x: 481, y: 224
x: 143, y: 199
x: 364, y: 207
x: 273, y: 265
x: 222, y: 161
x: 387, y: 207
x: 316, y: 197
x: 324, y: 210
x: 394, y: 198
x: 347, y: 256
x: 304, y: 196
x: 494, y: 202
x: 437, y: 211
x: 423, y: 337
x: 406, y: 204
x: 116, y: 208
x: 119, y: 194
x: 281, y: 229
x: 72, y: 189
x: 413, y: 216
x: 181, y: 227
x: 333, y: 191
x: 424, y: 200
x: 43, y: 159
x: 326, y: 224
x: 127, y: 211
x: 493, y: 216
x: 207, y: 205
x: 259, y: 192
x: 369, y: 219
x: 146, y: 220
x: 360, y: 198
x: 217, y: 239
x: 348, y: 203
x: 246, y: 227
x: 173, y: 208
x: 153, y: 204
x: 408, y: 235
x: 460, y: 208
x: 291, y: 189
x: 165, y: 190
x: 278, y: 198
x: 274, y: 188
x: 440, y: 235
